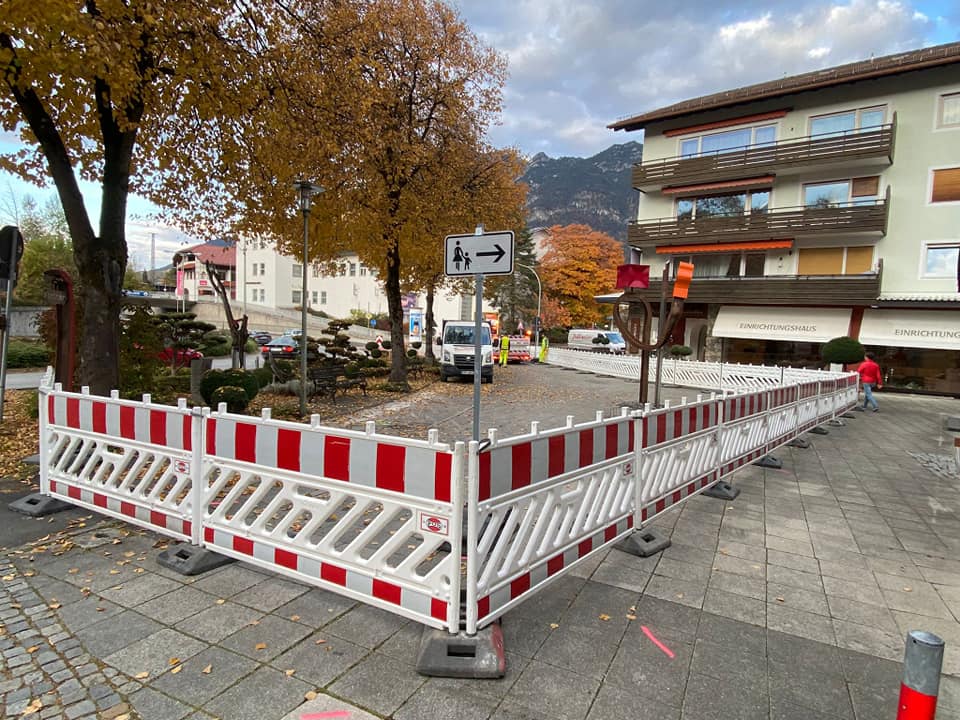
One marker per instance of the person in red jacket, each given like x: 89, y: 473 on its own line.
x: 870, y: 378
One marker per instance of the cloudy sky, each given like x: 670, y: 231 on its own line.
x: 577, y: 65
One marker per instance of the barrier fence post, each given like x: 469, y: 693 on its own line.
x: 922, y: 661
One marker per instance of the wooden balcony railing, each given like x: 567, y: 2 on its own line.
x: 791, y: 222
x: 745, y: 162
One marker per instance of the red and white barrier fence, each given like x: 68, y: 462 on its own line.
x: 379, y: 518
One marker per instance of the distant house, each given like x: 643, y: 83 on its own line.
x: 192, y: 263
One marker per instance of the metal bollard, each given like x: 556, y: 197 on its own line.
x: 922, y: 660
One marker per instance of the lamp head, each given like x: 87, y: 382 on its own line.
x: 307, y: 191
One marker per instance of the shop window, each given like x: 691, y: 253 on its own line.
x: 940, y: 261
x: 820, y: 261
x: 948, y: 111
x: 946, y: 185
x: 850, y: 121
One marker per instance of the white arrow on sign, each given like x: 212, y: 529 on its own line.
x: 487, y: 254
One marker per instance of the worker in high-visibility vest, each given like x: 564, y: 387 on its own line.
x: 504, y: 349
x: 544, y: 345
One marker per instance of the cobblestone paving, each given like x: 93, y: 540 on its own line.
x: 46, y: 671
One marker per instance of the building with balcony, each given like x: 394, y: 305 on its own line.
x: 191, y: 268
x: 813, y: 206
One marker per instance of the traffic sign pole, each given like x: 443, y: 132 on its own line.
x: 477, y: 346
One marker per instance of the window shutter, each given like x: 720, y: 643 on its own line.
x: 866, y: 186
x: 946, y: 185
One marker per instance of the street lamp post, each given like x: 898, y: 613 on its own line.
x: 536, y: 340
x: 307, y: 191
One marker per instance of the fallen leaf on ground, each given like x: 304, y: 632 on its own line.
x: 114, y: 572
x: 554, y: 626
x: 260, y: 646
x: 207, y: 670
x: 294, y: 618
x: 908, y: 589
x: 54, y: 606
x: 311, y: 695
x: 177, y: 669
x: 141, y: 675
x: 604, y: 617
x: 320, y: 641
x: 32, y: 708
x: 33, y: 648
x: 173, y: 661
x: 220, y: 601
x: 780, y: 599
x: 631, y: 616
x: 288, y: 673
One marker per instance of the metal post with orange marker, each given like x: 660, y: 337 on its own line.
x: 922, y: 661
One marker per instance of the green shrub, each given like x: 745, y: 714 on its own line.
x: 681, y: 350
x: 264, y: 376
x: 213, y: 379
x: 235, y: 398
x: 842, y: 350
x: 251, y: 346
x: 217, y: 350
x: 34, y: 405
x: 386, y: 344
x: 375, y: 353
x: 371, y: 346
x: 352, y: 369
x: 411, y: 353
x: 170, y: 385
x: 22, y: 354
x: 416, y: 344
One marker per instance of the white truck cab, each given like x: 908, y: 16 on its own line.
x: 457, y: 350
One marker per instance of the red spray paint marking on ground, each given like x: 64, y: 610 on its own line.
x: 667, y: 651
x: 326, y: 715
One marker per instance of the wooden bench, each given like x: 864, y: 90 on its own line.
x: 329, y: 379
x: 280, y: 375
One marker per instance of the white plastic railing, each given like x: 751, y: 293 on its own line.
x: 379, y: 518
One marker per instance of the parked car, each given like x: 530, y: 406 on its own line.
x: 260, y: 337
x: 180, y: 357
x: 287, y: 347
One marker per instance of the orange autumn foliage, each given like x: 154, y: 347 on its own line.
x: 579, y: 264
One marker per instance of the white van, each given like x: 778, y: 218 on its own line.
x: 583, y: 339
x: 457, y: 350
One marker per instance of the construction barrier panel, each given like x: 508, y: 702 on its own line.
x: 380, y: 518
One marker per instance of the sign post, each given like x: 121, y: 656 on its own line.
x: 478, y: 255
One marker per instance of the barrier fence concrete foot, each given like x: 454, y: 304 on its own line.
x: 191, y: 560
x: 37, y: 505
x: 820, y: 431
x: 644, y: 542
x: 769, y: 461
x: 801, y: 443
x: 723, y: 491
x: 858, y: 409
x: 848, y: 416
x: 837, y: 422
x: 476, y: 657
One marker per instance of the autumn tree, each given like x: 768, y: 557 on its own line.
x: 580, y: 264
x: 147, y: 96
x: 46, y: 245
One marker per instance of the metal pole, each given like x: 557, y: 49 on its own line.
x: 244, y: 276
x: 660, y: 325
x: 477, y: 347
x: 8, y: 302
x: 536, y: 340
x: 303, y: 311
x: 922, y: 661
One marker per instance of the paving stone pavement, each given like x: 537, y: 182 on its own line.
x: 789, y: 603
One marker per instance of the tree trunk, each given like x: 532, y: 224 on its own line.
x: 430, y: 327
x: 398, y: 355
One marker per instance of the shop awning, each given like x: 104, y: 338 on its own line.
x: 725, y: 247
x: 939, y: 329
x: 781, y: 323
x: 753, y: 182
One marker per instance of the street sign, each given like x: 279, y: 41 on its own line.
x: 487, y: 254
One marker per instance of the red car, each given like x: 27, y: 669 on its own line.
x: 180, y: 357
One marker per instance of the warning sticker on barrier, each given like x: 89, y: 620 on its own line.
x: 434, y: 524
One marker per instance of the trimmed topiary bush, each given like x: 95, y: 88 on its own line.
x: 22, y: 354
x: 386, y: 344
x: 842, y: 350
x: 371, y: 346
x: 235, y: 397
x: 411, y: 353
x: 679, y: 351
x: 213, y: 379
x: 264, y: 376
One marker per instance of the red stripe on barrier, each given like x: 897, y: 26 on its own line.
x: 99, y: 413
x: 483, y: 607
x: 245, y: 442
x: 695, y: 417
x: 128, y: 422
x: 99, y: 500
x: 74, y: 492
x: 522, y: 459
x: 334, y: 574
x: 613, y: 440
x: 677, y: 496
x: 661, y: 505
x: 442, y: 469
x: 336, y: 458
x: 438, y: 609
x: 243, y: 545
x: 386, y: 591
x: 51, y: 413
x: 915, y: 705
x: 557, y: 446
x: 208, y: 535
x: 610, y: 533
x: 519, y: 586
x: 285, y: 558
x: 158, y: 519
x: 211, y: 437
x: 73, y: 412
x: 390, y: 467
x: 158, y: 427
x: 187, y: 440
x: 586, y: 448
x: 632, y: 440
x: 630, y: 521
x: 483, y: 491
x: 288, y: 449
x: 187, y: 527
x: 585, y: 547
x: 661, y: 428
x: 128, y: 509
x: 555, y: 564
